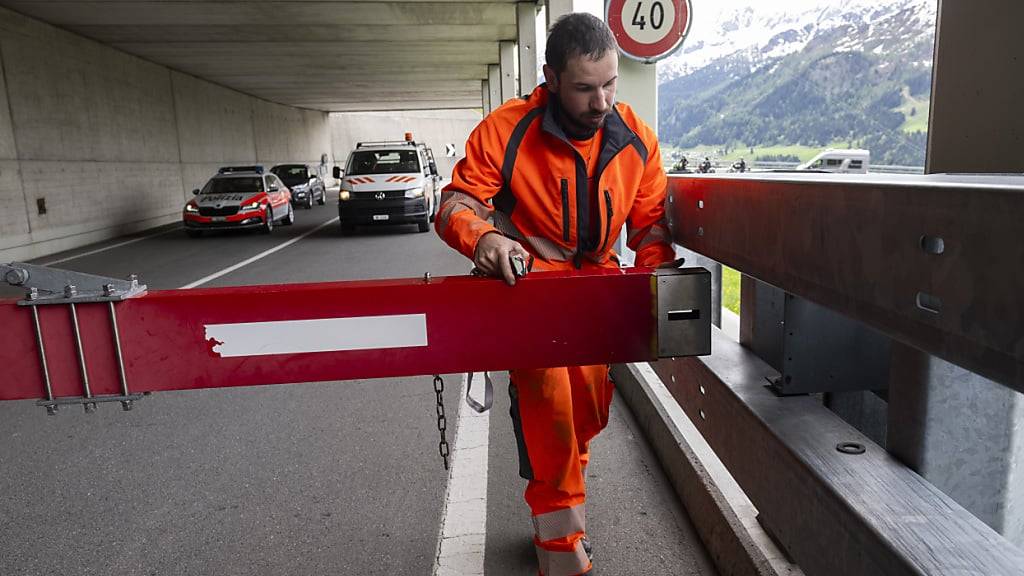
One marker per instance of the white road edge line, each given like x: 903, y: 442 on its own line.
x: 462, y: 541
x: 111, y: 247
x: 259, y: 256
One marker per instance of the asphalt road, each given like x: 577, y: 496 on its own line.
x: 328, y: 478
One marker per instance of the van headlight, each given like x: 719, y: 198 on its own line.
x: 414, y: 193
x: 344, y: 195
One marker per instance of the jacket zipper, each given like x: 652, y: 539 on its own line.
x: 608, y: 220
x: 582, y: 211
x: 565, y: 209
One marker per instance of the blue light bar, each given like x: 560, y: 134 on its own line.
x: 232, y: 169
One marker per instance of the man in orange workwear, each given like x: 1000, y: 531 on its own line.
x: 555, y: 175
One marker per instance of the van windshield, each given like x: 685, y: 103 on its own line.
x: 383, y: 162
x: 234, y: 185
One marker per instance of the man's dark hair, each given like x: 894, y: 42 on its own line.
x: 577, y: 34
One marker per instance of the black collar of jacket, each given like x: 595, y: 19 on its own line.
x: 617, y: 135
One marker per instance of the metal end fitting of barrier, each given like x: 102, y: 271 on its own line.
x: 52, y: 286
x: 684, y: 311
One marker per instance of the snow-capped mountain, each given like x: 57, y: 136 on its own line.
x: 773, y: 30
x: 818, y: 73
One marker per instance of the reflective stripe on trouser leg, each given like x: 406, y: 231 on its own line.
x: 564, y: 523
x: 563, y: 562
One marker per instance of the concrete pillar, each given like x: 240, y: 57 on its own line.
x: 559, y: 8
x: 638, y: 87
x: 961, y: 432
x: 494, y: 85
x: 485, y: 97
x: 975, y: 123
x: 526, y: 19
x: 507, y: 66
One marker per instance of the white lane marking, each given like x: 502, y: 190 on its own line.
x: 460, y: 549
x: 259, y: 256
x: 111, y: 247
x: 318, y: 335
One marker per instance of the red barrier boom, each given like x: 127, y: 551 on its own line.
x: 252, y: 335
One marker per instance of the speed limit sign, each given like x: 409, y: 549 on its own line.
x: 648, y: 30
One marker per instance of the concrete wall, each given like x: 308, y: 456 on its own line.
x: 436, y: 128
x: 115, y: 144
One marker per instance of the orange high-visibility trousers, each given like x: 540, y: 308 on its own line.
x: 555, y: 414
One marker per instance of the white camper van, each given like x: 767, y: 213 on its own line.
x: 837, y: 160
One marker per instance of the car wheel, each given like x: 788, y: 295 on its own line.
x: 268, y: 221
x: 432, y: 209
x: 309, y: 201
x: 289, y: 218
x: 323, y: 198
x: 424, y: 225
x: 194, y: 233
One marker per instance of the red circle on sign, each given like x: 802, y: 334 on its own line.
x: 648, y: 52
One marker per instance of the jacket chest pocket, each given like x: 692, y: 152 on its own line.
x: 564, y: 190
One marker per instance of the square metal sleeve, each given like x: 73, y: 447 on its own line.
x: 684, y: 312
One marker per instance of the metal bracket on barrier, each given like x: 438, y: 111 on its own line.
x: 684, y: 312
x: 54, y: 286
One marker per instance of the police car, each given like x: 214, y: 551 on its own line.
x: 239, y: 197
x: 388, y: 183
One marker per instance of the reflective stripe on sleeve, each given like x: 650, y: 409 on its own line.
x: 657, y: 233
x: 453, y: 202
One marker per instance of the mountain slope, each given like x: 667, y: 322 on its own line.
x: 823, y: 77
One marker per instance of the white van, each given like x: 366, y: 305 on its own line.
x: 388, y: 183
x: 838, y: 160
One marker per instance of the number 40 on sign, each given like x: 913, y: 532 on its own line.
x: 648, y: 30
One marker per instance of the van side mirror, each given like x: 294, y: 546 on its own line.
x: 338, y: 172
x: 273, y: 188
x: 195, y: 192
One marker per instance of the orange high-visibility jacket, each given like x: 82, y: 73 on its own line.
x: 522, y: 177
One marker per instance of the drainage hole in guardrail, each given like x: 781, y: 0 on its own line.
x: 702, y: 416
x: 929, y: 303
x: 700, y: 203
x: 673, y: 378
x: 702, y: 390
x: 851, y: 448
x: 933, y: 245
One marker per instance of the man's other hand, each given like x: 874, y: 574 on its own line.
x: 492, y: 254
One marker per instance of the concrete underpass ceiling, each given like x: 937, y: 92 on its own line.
x: 332, y: 55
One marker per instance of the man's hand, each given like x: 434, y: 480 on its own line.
x: 492, y: 254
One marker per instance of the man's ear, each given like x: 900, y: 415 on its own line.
x: 551, y: 77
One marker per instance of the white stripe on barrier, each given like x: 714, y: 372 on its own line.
x: 321, y: 335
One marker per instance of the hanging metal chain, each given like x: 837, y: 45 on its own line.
x: 442, y: 422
